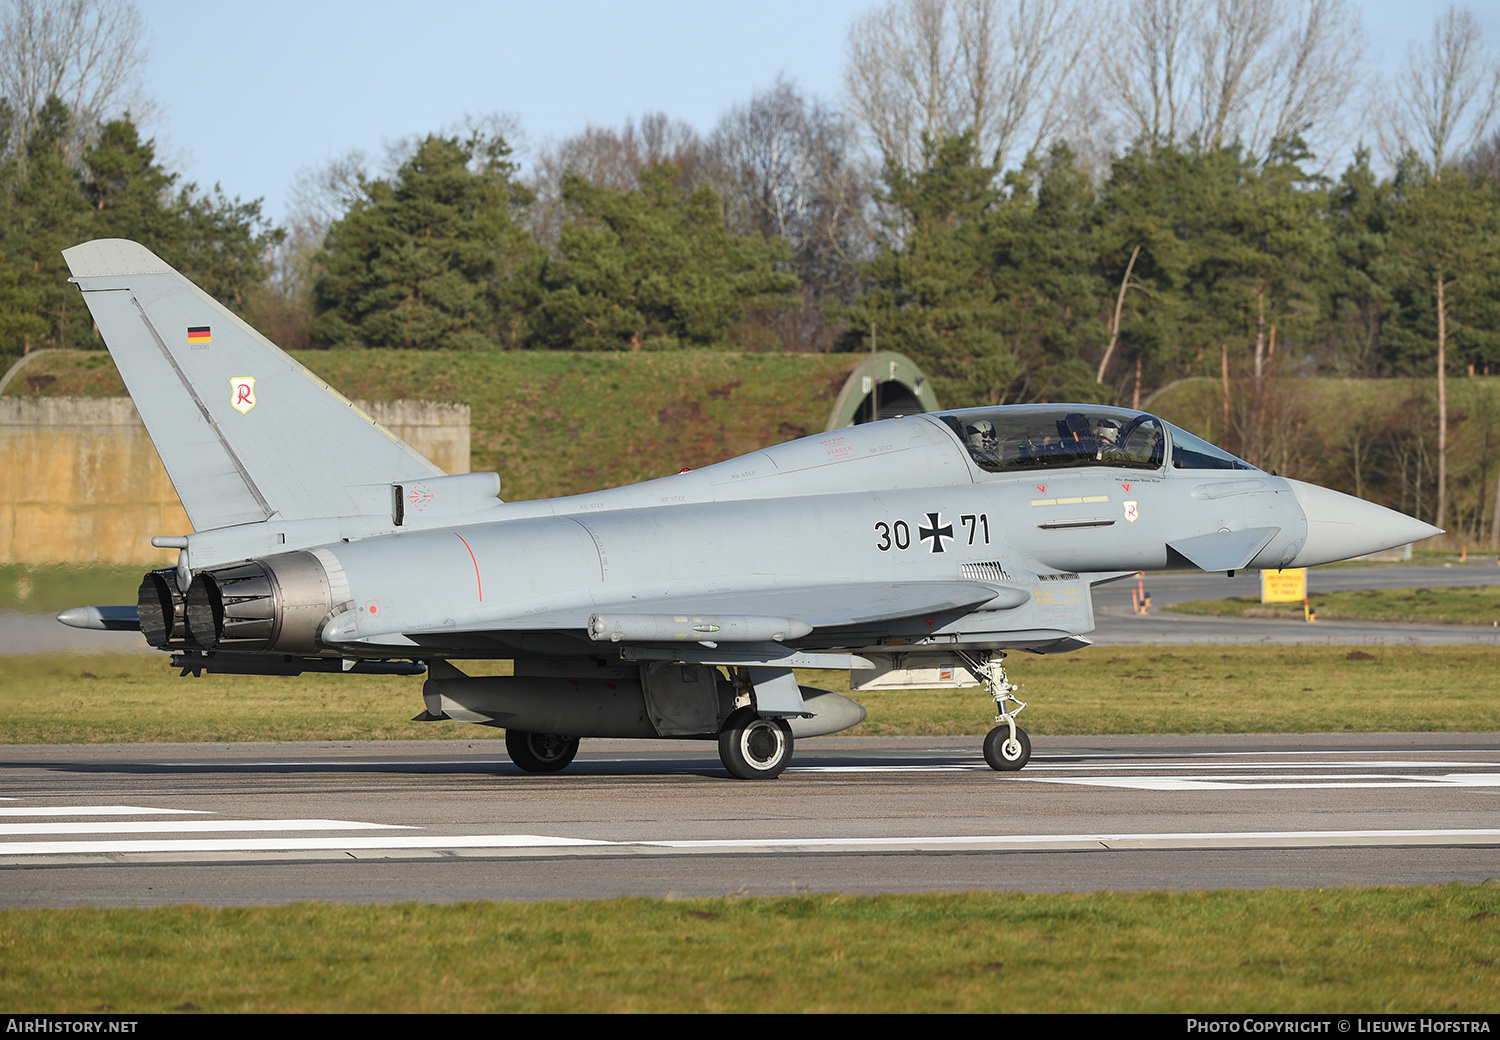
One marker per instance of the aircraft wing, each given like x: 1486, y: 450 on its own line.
x: 819, y: 606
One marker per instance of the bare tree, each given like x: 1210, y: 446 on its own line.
x: 1217, y: 72
x: 788, y: 166
x: 612, y: 159
x: 89, y: 53
x: 1142, y: 59
x: 1484, y: 158
x: 1447, y: 96
x: 927, y: 69
x: 1318, y: 65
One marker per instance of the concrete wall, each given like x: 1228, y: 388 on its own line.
x: 80, y: 482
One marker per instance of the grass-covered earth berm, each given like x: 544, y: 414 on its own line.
x: 558, y: 423
x: 123, y: 698
x: 1330, y: 950
x: 1479, y: 605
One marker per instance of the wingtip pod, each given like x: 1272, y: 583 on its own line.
x: 113, y: 258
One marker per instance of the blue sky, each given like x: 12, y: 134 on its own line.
x: 250, y: 93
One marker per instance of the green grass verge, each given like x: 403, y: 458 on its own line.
x: 1344, y: 950
x: 105, y: 698
x: 1440, y: 606
x: 48, y: 588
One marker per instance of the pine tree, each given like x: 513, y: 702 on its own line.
x: 436, y: 258
x: 933, y: 298
x: 652, y: 269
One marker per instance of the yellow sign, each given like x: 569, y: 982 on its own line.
x: 1288, y: 586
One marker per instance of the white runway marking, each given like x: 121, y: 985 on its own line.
x: 392, y: 843
x: 1199, y: 839
x: 553, y: 845
x: 93, y: 810
x: 1398, y: 763
x: 189, y: 826
x: 1274, y: 782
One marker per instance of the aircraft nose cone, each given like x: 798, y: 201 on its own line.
x: 1340, y: 527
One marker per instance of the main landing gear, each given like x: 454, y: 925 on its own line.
x: 755, y: 748
x: 1006, y: 747
x: 540, y: 752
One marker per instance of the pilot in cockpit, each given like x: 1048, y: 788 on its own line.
x: 984, y: 443
x: 1107, y: 433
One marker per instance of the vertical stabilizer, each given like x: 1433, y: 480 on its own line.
x: 245, y: 432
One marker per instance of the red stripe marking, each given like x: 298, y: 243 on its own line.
x: 477, y: 582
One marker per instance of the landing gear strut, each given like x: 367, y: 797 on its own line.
x: 1006, y: 747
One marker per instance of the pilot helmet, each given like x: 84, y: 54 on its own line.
x: 1108, y: 430
x: 982, y: 435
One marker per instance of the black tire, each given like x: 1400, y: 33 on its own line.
x: 753, y: 748
x: 1001, y: 754
x: 540, y: 752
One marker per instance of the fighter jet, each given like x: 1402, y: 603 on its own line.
x: 915, y: 552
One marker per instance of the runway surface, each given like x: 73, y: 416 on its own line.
x: 446, y: 821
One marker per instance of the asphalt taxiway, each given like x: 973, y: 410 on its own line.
x: 444, y: 821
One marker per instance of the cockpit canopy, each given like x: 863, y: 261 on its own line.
x: 1049, y: 436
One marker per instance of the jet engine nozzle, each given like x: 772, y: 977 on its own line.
x: 276, y: 603
x: 162, y: 610
x: 1341, y: 527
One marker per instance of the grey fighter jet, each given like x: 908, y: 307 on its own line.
x: 913, y: 551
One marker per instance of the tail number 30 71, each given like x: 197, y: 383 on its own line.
x: 896, y: 534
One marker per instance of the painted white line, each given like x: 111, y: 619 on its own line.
x: 1268, y: 768
x: 191, y: 826
x: 1399, y: 763
x: 92, y: 810
x: 453, y: 841
x: 1278, y: 783
x: 889, y: 769
x: 538, y: 844
x: 1204, y: 839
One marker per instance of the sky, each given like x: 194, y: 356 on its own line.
x: 251, y: 93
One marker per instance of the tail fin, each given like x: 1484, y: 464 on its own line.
x: 245, y: 432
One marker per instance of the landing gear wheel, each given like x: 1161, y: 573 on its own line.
x: 753, y: 748
x: 540, y: 752
x: 1004, y: 753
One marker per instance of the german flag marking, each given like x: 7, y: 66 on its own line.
x: 199, y: 334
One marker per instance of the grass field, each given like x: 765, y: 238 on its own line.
x: 1440, y: 606
x: 109, y: 698
x: 1344, y: 950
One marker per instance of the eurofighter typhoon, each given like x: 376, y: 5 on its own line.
x: 913, y: 551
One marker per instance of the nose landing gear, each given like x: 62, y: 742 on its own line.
x: 1006, y: 747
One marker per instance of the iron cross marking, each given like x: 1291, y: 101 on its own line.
x: 932, y: 532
